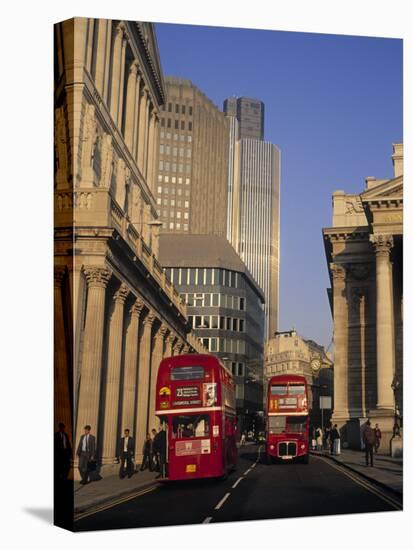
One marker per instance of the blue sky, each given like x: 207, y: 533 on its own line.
x: 333, y: 106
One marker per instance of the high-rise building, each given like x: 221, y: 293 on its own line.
x: 250, y: 115
x: 253, y: 211
x: 225, y: 307
x: 191, y: 189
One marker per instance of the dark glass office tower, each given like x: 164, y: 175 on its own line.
x: 250, y: 115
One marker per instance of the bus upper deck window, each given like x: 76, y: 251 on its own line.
x: 193, y: 372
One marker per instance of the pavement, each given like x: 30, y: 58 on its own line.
x: 387, y: 471
x: 110, y: 488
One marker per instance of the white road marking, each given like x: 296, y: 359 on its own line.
x: 236, y: 483
x: 207, y: 520
x: 247, y: 472
x: 221, y: 502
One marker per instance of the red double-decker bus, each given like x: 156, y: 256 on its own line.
x: 287, y: 419
x: 195, y: 399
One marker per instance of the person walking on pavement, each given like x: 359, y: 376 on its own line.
x: 369, y: 440
x: 86, y: 452
x: 319, y: 438
x: 242, y: 442
x: 155, y: 460
x: 326, y: 437
x: 334, y: 441
x: 125, y: 454
x: 147, y: 454
x: 377, y: 433
x: 160, y: 449
x: 62, y: 453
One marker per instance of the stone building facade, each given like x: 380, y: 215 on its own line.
x: 116, y: 312
x: 289, y: 353
x: 191, y: 191
x: 364, y: 250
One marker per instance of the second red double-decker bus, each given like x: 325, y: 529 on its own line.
x: 195, y: 399
x: 287, y: 418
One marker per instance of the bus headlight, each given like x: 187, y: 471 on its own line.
x: 272, y: 447
x: 302, y: 446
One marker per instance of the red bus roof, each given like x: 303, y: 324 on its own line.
x: 286, y: 378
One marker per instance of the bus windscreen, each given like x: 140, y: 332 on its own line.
x: 193, y: 372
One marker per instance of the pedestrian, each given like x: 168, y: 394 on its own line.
x: 319, y: 438
x: 160, y: 448
x: 377, y: 433
x: 243, y: 437
x: 334, y: 441
x: 147, y: 454
x: 125, y: 454
x: 326, y: 438
x: 155, y: 460
x: 369, y: 440
x: 86, y: 452
x: 62, y: 453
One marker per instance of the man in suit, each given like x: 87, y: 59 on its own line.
x: 160, y: 449
x: 125, y: 454
x: 62, y: 453
x: 86, y: 452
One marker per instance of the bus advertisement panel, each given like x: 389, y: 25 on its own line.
x: 287, y: 418
x: 195, y: 399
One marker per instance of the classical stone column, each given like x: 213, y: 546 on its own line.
x: 136, y: 117
x: 130, y: 106
x: 340, y: 306
x: 90, y: 376
x: 147, y: 135
x: 131, y: 364
x: 117, y: 71
x: 169, y: 345
x: 157, y: 356
x: 102, y: 54
x: 384, y: 321
x: 62, y: 383
x: 149, y: 154
x: 113, y: 375
x: 145, y: 353
x: 143, y: 108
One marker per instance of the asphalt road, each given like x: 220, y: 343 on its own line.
x: 254, y: 491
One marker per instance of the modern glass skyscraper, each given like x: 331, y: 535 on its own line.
x: 254, y: 206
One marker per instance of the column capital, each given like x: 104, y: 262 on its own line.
x: 383, y: 243
x: 133, y: 69
x: 121, y: 294
x: 149, y: 319
x: 161, y: 333
x: 59, y: 273
x: 137, y: 308
x: 338, y: 272
x: 121, y: 30
x: 97, y: 276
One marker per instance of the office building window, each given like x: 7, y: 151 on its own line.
x: 161, y: 165
x: 241, y: 325
x: 169, y: 123
x: 189, y: 139
x: 207, y: 300
x: 161, y: 148
x: 186, y: 215
x: 178, y: 226
x: 186, y: 204
x: 181, y: 151
x: 180, y: 180
x: 242, y: 304
x: 165, y: 202
x: 162, y: 133
x: 167, y: 166
x: 215, y: 300
x: 235, y: 324
x: 173, y: 202
x: 188, y: 168
x: 158, y: 200
x: 192, y: 272
x: 182, y: 137
x: 214, y: 321
x: 160, y: 177
x: 181, y: 167
x: 179, y: 191
x: 175, y: 137
x: 188, y: 153
x: 176, y: 124
x: 168, y: 135
x: 159, y: 189
x: 187, y: 181
x: 169, y: 107
x: 190, y: 126
x: 171, y: 225
x: 174, y: 167
x: 213, y: 344
x: 198, y: 321
x: 183, y: 109
x: 175, y: 151
x: 166, y: 190
x: 173, y: 179
x: 228, y: 323
x: 185, y: 227
x: 163, y: 123
x: 190, y: 110
x: 240, y: 369
x: 177, y: 109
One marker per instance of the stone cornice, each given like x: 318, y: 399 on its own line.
x: 335, y: 234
